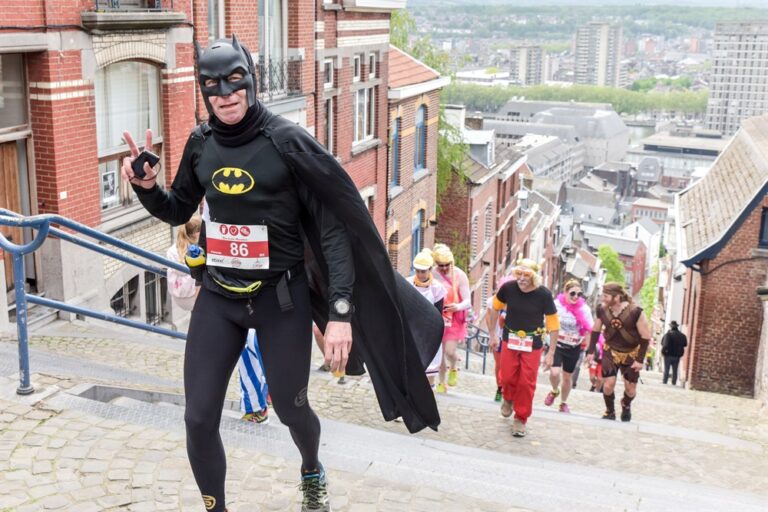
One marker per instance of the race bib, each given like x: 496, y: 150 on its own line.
x: 237, y: 246
x: 524, y: 344
x: 569, y: 340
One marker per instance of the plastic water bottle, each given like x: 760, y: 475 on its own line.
x: 195, y: 260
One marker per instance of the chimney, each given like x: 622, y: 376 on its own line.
x: 474, y: 121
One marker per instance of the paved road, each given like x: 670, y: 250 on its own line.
x: 685, y: 451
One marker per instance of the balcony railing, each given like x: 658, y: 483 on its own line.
x: 279, y: 78
x: 145, y: 5
x: 132, y: 15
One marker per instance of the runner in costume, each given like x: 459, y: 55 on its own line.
x: 275, y: 196
x: 531, y: 313
x: 627, y: 336
x: 434, y: 292
x: 456, y: 304
x: 575, y: 323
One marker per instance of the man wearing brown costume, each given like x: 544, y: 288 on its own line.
x: 627, y: 336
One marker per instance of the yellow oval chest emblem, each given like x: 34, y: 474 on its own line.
x: 231, y: 180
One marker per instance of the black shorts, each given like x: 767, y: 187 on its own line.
x: 568, y: 358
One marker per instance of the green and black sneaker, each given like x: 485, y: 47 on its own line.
x: 314, y: 487
x: 497, y: 398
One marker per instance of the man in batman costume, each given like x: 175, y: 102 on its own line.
x: 289, y: 241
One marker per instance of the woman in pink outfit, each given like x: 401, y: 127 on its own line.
x: 455, y: 305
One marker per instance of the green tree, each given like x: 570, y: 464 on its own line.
x: 609, y: 260
x: 649, y: 292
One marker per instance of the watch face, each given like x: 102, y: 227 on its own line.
x: 341, y: 306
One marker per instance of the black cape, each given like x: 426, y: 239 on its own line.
x: 396, y: 332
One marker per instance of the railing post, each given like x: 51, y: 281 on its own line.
x: 19, y: 278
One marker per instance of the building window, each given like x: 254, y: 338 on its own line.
x: 488, y: 223
x: 394, y: 145
x: 417, y: 234
x: 474, y: 237
x: 420, y: 140
x: 328, y: 73
x: 127, y: 98
x: 329, y: 125
x: 215, y: 20
x: 364, y: 114
x: 484, y: 293
x: 125, y: 302
x: 155, y: 291
x: 356, y: 70
x: 764, y: 229
x: 273, y: 45
x: 372, y: 65
x: 13, y: 92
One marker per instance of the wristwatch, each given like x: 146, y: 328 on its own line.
x: 342, y: 307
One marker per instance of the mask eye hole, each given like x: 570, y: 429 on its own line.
x: 235, y: 77
x: 210, y: 82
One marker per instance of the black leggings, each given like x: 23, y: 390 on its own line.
x: 216, y: 338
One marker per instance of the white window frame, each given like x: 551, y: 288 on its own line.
x: 372, y: 65
x: 368, y: 121
x: 219, y: 21
x: 328, y: 73
x: 329, y: 118
x: 113, y: 191
x: 356, y: 68
x: 267, y: 51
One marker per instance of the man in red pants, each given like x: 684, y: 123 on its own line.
x: 531, y: 312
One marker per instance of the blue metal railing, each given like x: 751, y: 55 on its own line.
x: 43, y: 225
x: 476, y: 343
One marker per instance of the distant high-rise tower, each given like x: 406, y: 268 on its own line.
x: 527, y: 64
x: 739, y: 86
x: 598, y: 54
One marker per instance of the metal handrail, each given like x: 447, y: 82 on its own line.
x: 476, y: 335
x: 43, y: 225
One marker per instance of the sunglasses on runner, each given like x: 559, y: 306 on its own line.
x: 521, y: 272
x: 445, y: 265
x: 575, y: 294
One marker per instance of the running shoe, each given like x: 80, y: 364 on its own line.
x: 518, y: 428
x: 324, y: 368
x: 506, y: 408
x: 564, y: 408
x: 609, y: 415
x: 626, y: 413
x: 314, y: 487
x: 440, y: 388
x: 497, y: 398
x: 453, y: 376
x: 550, y: 398
x: 342, y: 380
x: 261, y: 417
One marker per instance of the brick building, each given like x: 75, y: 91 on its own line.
x: 722, y: 239
x: 72, y: 80
x: 414, y: 111
x: 482, y: 219
x: 75, y: 73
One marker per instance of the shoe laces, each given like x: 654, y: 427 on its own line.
x: 315, y: 490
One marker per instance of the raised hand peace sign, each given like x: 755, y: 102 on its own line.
x: 149, y: 180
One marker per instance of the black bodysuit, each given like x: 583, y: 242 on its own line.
x: 258, y: 190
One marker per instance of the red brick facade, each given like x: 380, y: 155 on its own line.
x: 471, y: 211
x: 415, y: 190
x: 722, y: 313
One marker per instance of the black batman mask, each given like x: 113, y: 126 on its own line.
x: 217, y: 62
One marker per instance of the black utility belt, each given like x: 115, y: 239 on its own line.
x: 239, y: 288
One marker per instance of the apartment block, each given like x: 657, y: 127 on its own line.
x: 739, y: 86
x: 598, y: 54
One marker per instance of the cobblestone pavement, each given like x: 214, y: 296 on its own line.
x: 68, y: 460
